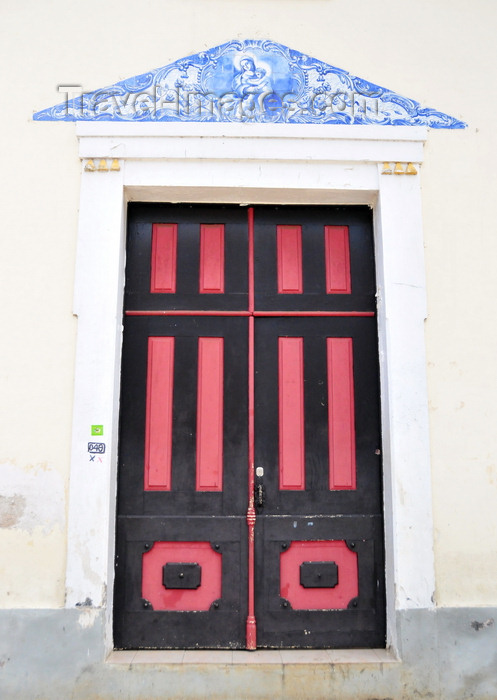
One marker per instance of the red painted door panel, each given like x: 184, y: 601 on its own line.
x: 163, y: 258
x: 210, y: 416
x: 249, y: 495
x: 291, y: 413
x: 341, y: 413
x: 211, y: 259
x: 289, y: 242
x: 337, y: 251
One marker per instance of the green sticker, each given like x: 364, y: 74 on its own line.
x: 97, y: 429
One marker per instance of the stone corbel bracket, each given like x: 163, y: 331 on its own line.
x: 101, y: 165
x: 399, y: 169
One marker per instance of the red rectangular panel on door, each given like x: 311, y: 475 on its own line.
x: 289, y: 243
x: 337, y: 255
x: 291, y: 413
x: 211, y: 259
x: 159, y: 413
x: 210, y: 414
x: 341, y: 414
x: 163, y: 263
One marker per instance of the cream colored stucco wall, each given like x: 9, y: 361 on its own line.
x: 442, y: 54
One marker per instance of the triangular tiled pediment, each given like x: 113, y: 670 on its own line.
x: 249, y: 81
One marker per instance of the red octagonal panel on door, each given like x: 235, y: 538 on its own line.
x: 162, y: 598
x: 335, y: 598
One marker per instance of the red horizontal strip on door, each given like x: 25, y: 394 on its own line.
x: 176, y: 312
x: 163, y: 262
x: 159, y: 414
x: 210, y: 414
x: 289, y: 244
x: 211, y: 259
x: 291, y: 413
x: 314, y: 313
x: 341, y: 420
x: 337, y: 256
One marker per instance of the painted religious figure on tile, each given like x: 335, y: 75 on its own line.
x: 252, y: 84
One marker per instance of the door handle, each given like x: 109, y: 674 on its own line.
x: 259, y: 492
x: 259, y: 495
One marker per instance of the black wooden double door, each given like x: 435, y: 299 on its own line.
x: 249, y: 489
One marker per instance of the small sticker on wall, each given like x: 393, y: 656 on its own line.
x: 97, y: 429
x: 96, y: 447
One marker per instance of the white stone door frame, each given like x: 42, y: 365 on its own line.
x: 251, y: 164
